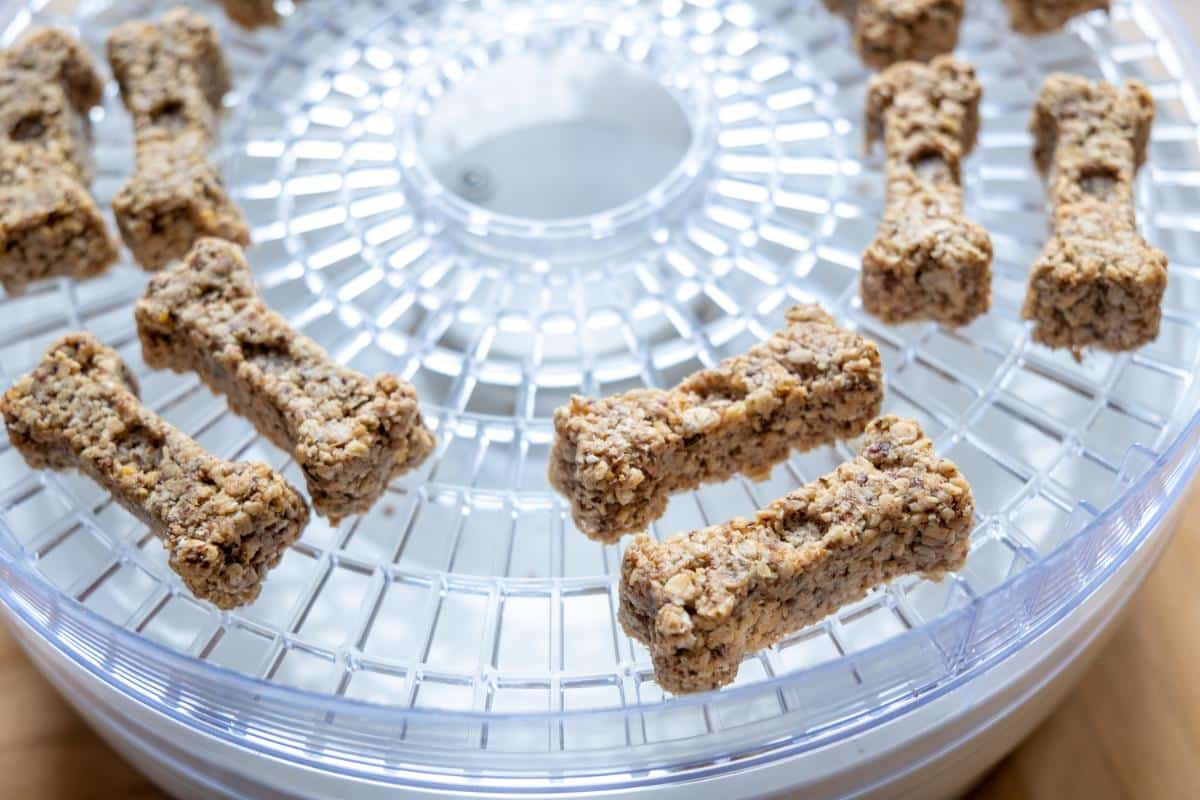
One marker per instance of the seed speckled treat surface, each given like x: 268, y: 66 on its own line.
x: 887, y: 32
x: 701, y: 601
x: 49, y: 223
x: 351, y: 435
x: 1097, y: 282
x: 927, y: 261
x: 224, y: 524
x: 172, y: 76
x: 618, y: 459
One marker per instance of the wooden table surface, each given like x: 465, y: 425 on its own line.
x: 1130, y: 729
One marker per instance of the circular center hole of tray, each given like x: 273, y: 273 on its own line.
x: 553, y: 134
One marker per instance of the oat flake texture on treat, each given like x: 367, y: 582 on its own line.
x: 927, y: 261
x: 351, y: 435
x: 223, y: 524
x: 49, y: 223
x: 701, y: 601
x: 1097, y: 282
x: 618, y: 459
x: 887, y: 32
x: 172, y: 76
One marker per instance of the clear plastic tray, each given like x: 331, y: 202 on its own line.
x: 508, y: 203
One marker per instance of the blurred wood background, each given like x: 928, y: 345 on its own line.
x: 1130, y: 729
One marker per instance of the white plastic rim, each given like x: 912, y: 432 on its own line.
x: 462, y: 632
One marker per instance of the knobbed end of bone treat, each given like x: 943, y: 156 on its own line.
x: 51, y: 226
x: 887, y: 32
x: 1097, y: 283
x: 59, y: 58
x: 349, y: 461
x: 1033, y: 17
x: 701, y: 601
x: 927, y: 262
x: 1098, y: 121
x: 247, y: 518
x: 937, y: 104
x: 224, y: 524
x: 49, y: 223
x: 609, y: 491
x: 158, y: 59
x: 618, y: 459
x: 174, y: 198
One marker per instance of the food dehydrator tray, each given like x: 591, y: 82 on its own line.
x: 507, y: 203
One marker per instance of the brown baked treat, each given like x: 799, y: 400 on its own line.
x: 1097, y: 282
x: 60, y: 59
x: 889, y: 31
x: 251, y: 13
x: 618, y: 459
x: 702, y: 600
x: 49, y: 223
x: 172, y: 77
x: 351, y: 435
x: 1046, y: 16
x: 224, y: 524
x: 928, y: 261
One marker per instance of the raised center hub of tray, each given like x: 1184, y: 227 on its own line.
x: 559, y: 131
x: 555, y: 134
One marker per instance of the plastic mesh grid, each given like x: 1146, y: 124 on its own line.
x: 467, y: 588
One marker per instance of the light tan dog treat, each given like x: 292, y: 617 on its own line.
x: 1046, y: 16
x: 928, y: 261
x: 251, y: 13
x: 702, y: 600
x: 617, y: 460
x: 61, y: 59
x: 49, y: 223
x: 224, y: 524
x: 1097, y: 282
x: 172, y: 77
x: 889, y: 31
x: 351, y: 435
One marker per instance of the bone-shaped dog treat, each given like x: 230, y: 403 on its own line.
x: 172, y: 77
x: 890, y: 31
x: 1045, y: 16
x: 49, y: 223
x: 1097, y: 282
x: 928, y: 260
x: 224, y: 524
x: 702, y: 600
x: 350, y: 435
x: 618, y: 459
